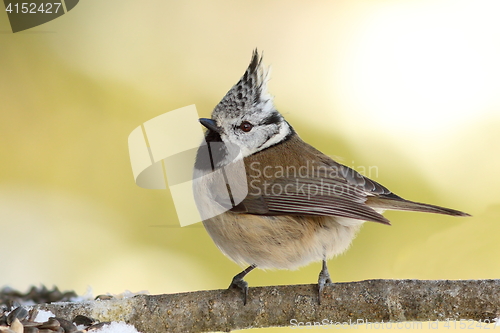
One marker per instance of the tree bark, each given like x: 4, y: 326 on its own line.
x: 371, y: 301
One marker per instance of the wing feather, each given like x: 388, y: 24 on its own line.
x: 319, y: 195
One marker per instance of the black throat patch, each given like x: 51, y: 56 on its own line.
x: 212, y: 155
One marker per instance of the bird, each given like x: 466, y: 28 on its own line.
x: 268, y: 199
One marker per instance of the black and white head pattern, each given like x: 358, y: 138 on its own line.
x: 246, y: 116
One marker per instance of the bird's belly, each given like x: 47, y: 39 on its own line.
x: 280, y: 242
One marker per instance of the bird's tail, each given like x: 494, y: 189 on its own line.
x: 402, y: 204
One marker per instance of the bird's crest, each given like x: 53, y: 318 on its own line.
x: 250, y: 93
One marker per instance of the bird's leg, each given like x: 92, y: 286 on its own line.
x: 239, y: 283
x: 324, y: 278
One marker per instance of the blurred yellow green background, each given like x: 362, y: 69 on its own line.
x: 410, y: 88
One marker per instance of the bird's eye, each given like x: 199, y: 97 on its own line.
x: 246, y: 126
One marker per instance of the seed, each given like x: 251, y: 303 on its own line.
x: 19, y: 313
x: 84, y: 320
x: 67, y: 325
x: 16, y: 325
x: 51, y: 324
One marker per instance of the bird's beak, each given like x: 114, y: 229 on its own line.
x: 210, y: 124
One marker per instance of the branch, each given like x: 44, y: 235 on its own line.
x: 373, y: 301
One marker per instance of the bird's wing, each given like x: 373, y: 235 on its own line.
x: 382, y: 198
x: 324, y: 193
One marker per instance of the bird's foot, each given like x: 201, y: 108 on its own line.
x: 323, y: 280
x: 241, y: 284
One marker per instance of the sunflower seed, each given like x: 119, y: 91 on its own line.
x: 19, y: 313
